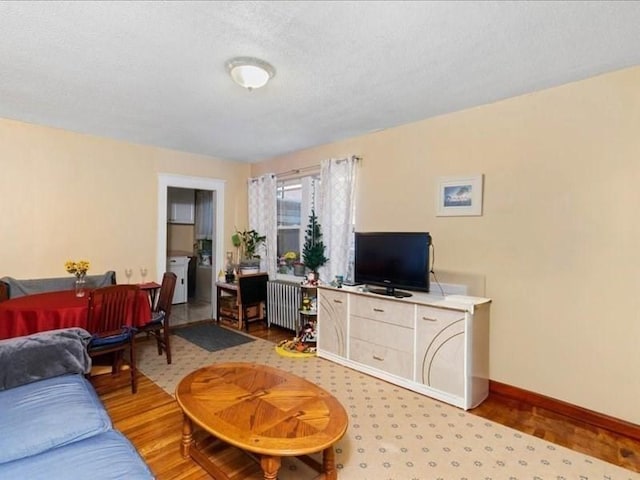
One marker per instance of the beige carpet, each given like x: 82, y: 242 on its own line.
x: 395, y: 433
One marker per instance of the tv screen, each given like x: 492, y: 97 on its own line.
x: 393, y: 260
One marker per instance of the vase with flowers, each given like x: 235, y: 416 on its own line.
x: 79, y: 269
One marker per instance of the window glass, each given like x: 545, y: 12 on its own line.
x: 295, y: 200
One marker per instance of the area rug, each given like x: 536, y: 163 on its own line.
x: 211, y: 337
x: 394, y: 433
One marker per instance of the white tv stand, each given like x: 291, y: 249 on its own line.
x: 434, y: 345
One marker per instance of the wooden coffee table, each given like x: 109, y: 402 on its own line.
x: 261, y: 410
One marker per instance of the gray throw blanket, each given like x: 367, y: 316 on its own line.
x: 20, y: 288
x: 43, y: 355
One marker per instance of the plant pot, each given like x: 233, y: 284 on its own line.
x: 249, y: 266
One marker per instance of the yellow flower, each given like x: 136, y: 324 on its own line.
x: 78, y: 268
x: 290, y: 256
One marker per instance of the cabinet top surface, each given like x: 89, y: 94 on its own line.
x: 457, y: 302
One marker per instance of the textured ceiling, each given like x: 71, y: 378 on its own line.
x: 153, y: 72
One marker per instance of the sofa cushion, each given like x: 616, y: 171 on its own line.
x: 107, y: 456
x: 43, y: 355
x: 49, y: 413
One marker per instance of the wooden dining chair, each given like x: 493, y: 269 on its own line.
x: 110, y: 320
x: 158, y: 326
x: 252, y: 298
x: 4, y: 291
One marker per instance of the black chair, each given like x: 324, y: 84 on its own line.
x: 158, y: 326
x: 111, y: 314
x: 252, y: 298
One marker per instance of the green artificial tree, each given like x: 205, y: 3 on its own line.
x: 313, y: 250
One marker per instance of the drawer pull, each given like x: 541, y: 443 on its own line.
x: 430, y: 319
x: 337, y: 301
x: 375, y: 357
x: 380, y: 310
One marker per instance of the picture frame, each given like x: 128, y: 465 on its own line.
x: 459, y: 196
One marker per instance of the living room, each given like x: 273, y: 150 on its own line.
x: 555, y: 244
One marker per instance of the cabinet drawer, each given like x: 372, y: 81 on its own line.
x: 439, y: 317
x: 385, y: 310
x: 383, y: 358
x: 334, y: 301
x: 382, y: 333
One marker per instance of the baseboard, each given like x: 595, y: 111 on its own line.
x: 600, y: 420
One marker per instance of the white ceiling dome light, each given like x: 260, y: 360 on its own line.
x: 249, y: 72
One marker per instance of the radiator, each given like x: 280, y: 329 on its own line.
x: 283, y: 304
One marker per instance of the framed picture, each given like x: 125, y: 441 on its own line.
x: 459, y: 196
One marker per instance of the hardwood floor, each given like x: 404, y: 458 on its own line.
x: 152, y: 420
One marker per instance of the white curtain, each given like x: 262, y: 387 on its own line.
x: 335, y: 210
x: 263, y: 218
x: 204, y: 215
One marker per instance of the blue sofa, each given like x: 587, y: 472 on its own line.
x: 53, y: 423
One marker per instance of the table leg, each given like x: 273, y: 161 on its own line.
x: 187, y: 436
x: 329, y: 464
x: 270, y: 466
x: 218, y: 297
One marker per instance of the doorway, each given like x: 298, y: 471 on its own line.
x: 216, y: 187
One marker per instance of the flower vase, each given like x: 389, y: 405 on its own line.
x: 80, y: 286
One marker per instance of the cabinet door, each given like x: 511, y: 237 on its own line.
x: 180, y: 292
x: 181, y: 205
x: 440, y: 349
x: 332, y: 321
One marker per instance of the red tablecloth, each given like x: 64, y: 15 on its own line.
x: 52, y: 310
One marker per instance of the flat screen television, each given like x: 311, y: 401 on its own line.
x: 396, y: 261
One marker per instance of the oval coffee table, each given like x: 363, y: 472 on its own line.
x: 261, y: 410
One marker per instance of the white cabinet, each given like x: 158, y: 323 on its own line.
x: 179, y: 266
x: 181, y: 205
x: 432, y: 345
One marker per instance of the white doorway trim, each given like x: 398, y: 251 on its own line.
x: 166, y: 180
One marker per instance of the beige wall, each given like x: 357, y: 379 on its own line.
x: 71, y: 196
x: 180, y: 238
x: 558, y: 241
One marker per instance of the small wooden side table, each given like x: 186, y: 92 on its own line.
x: 227, y: 303
x: 152, y: 289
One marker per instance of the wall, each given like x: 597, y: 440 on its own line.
x: 71, y: 196
x: 558, y: 241
x: 180, y: 238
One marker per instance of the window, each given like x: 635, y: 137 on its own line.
x: 295, y: 199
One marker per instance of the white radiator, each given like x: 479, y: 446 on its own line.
x: 283, y: 304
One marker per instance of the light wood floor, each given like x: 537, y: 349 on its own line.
x: 152, y: 420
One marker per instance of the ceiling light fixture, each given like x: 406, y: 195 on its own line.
x: 249, y: 72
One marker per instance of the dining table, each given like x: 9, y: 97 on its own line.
x: 53, y: 310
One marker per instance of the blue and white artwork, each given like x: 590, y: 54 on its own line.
x: 458, y: 196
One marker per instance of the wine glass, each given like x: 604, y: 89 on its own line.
x: 128, y: 272
x: 143, y: 273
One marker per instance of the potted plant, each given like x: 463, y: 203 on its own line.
x: 313, y: 251
x: 247, y: 242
